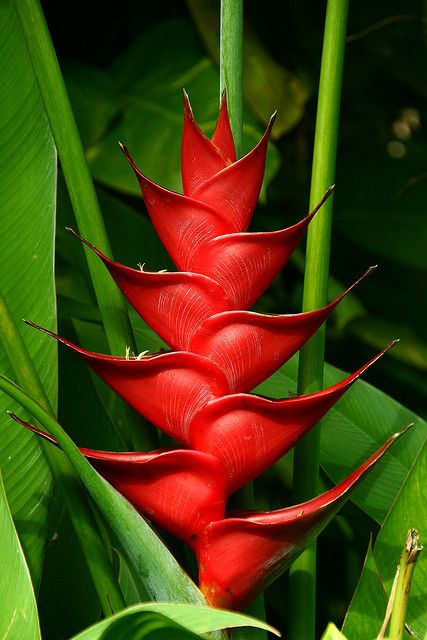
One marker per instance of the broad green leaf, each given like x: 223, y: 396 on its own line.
x: 27, y: 208
x: 197, y: 620
x: 366, y: 613
x: 358, y: 424
x: 18, y: 617
x: 150, y: 81
x: 332, y: 633
x: 408, y: 512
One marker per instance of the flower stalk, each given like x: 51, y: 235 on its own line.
x: 302, y: 598
x: 231, y: 65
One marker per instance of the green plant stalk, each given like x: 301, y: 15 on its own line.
x: 81, y: 190
x: 408, y: 559
x: 82, y: 518
x: 231, y: 66
x: 231, y: 82
x: 162, y: 576
x: 302, y: 598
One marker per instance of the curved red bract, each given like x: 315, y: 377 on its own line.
x: 199, y: 392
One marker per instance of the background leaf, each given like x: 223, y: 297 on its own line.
x: 18, y: 605
x: 27, y: 208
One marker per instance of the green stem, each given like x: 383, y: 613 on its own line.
x: 302, y: 599
x: 81, y: 515
x: 408, y: 559
x: 231, y: 65
x: 80, y: 187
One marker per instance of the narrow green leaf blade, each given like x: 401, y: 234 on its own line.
x: 194, y: 619
x: 18, y: 617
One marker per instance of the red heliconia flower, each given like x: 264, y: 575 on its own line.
x: 198, y: 393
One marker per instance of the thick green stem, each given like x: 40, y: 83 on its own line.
x: 231, y: 65
x: 81, y: 515
x: 80, y: 187
x: 409, y: 557
x: 302, y: 599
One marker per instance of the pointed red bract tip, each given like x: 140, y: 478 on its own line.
x: 201, y: 158
x: 223, y: 136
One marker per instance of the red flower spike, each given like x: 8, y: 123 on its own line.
x: 181, y: 490
x: 168, y: 389
x: 222, y: 349
x: 202, y: 158
x: 243, y: 427
x: 239, y: 556
x: 249, y: 347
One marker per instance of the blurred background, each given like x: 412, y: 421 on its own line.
x: 125, y: 66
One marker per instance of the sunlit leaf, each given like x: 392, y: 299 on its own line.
x: 18, y: 605
x: 27, y: 207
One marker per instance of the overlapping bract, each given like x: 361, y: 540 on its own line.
x: 198, y: 393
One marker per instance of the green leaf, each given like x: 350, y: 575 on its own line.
x: 193, y: 619
x: 332, y: 633
x: 408, y: 512
x: 27, y: 208
x: 358, y: 424
x: 366, y: 613
x: 18, y: 604
x: 150, y: 81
